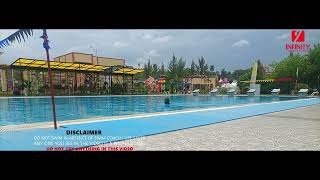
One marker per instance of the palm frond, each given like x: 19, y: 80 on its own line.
x: 17, y: 36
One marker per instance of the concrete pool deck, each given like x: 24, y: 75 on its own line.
x: 295, y: 129
x: 149, y: 124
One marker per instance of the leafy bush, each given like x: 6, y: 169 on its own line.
x: 299, y: 86
x: 43, y: 89
x: 243, y: 88
x: 222, y: 91
x: 141, y: 89
x: 117, y: 89
x: 6, y: 93
x: 203, y: 90
x: 285, y: 87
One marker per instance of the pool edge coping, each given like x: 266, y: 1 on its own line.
x: 139, y: 95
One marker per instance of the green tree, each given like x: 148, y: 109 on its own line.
x: 172, y: 68
x: 117, y: 89
x: 223, y: 73
x: 193, y: 70
x: 155, y: 71
x: 261, y: 71
x: 217, y: 73
x: 187, y: 71
x: 162, y: 70
x: 181, y: 72
x: 176, y: 72
x: 313, y: 70
x: 288, y: 67
x: 239, y: 72
x: 244, y: 87
x: 212, y: 69
x: 147, y: 69
x: 202, y: 67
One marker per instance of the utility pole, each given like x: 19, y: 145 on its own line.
x: 47, y: 47
x: 96, y: 52
x: 318, y: 82
x: 12, y: 77
x: 297, y: 75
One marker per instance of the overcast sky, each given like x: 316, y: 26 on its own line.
x: 229, y: 49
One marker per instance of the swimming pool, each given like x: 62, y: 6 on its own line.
x: 30, y: 110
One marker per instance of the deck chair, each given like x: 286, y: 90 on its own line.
x: 275, y: 92
x: 251, y: 92
x: 196, y: 92
x: 315, y: 93
x: 231, y: 92
x: 214, y: 92
x: 303, y: 92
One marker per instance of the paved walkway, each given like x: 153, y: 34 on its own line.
x: 297, y: 129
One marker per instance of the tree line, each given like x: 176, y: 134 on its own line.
x: 308, y: 75
x: 304, y: 69
x: 176, y: 69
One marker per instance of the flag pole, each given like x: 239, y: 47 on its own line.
x: 297, y: 75
x: 47, y: 47
x: 318, y: 82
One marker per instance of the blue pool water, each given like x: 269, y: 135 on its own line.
x: 30, y: 110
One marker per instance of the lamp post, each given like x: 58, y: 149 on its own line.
x: 96, y: 52
x: 47, y: 47
x: 97, y: 77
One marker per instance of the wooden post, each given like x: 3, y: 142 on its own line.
x: 47, y: 47
x: 51, y: 91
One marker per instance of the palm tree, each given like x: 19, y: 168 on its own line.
x: 162, y: 70
x: 224, y: 73
x: 176, y: 71
x: 212, y: 69
x: 193, y: 68
x: 155, y: 70
x: 23, y: 34
x: 17, y: 36
x: 148, y: 69
x: 202, y: 68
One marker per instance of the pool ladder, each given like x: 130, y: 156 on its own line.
x: 167, y: 97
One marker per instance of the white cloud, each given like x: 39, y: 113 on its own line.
x: 147, y: 36
x: 283, y: 36
x: 162, y: 39
x: 119, y: 44
x: 140, y: 60
x: 84, y: 48
x: 148, y: 55
x: 240, y: 43
x: 152, y: 53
